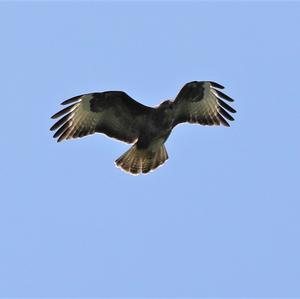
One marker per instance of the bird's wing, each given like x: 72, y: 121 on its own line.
x: 113, y: 113
x: 201, y: 102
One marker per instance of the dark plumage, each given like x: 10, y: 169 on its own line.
x: 117, y: 115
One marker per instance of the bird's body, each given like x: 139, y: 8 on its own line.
x: 117, y: 115
x: 157, y: 127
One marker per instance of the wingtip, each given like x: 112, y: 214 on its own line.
x: 216, y: 85
x: 71, y: 100
x: 64, y: 102
x: 56, y: 115
x: 225, y: 124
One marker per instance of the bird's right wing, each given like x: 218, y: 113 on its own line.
x: 113, y: 113
x: 201, y: 102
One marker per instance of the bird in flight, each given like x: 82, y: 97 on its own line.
x: 117, y: 115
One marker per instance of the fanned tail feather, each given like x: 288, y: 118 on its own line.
x: 136, y: 161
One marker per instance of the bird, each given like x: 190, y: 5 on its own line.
x: 119, y: 116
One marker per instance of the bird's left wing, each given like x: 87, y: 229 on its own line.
x: 113, y: 113
x: 201, y: 102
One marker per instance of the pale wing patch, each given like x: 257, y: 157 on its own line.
x: 205, y: 111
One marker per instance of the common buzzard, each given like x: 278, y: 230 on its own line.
x: 117, y: 115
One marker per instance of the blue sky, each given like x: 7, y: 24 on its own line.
x: 219, y: 219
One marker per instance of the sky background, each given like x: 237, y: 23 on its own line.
x: 219, y: 219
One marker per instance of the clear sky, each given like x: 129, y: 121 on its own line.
x: 219, y: 219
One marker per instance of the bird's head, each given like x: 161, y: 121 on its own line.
x: 166, y: 105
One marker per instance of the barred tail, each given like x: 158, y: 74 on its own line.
x: 137, y: 160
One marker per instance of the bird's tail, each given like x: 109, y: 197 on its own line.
x: 138, y: 161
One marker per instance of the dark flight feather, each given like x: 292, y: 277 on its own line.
x: 225, y: 114
x: 60, y: 122
x: 216, y: 85
x: 226, y: 106
x: 63, y: 111
x: 223, y: 121
x: 223, y: 96
x: 72, y: 100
